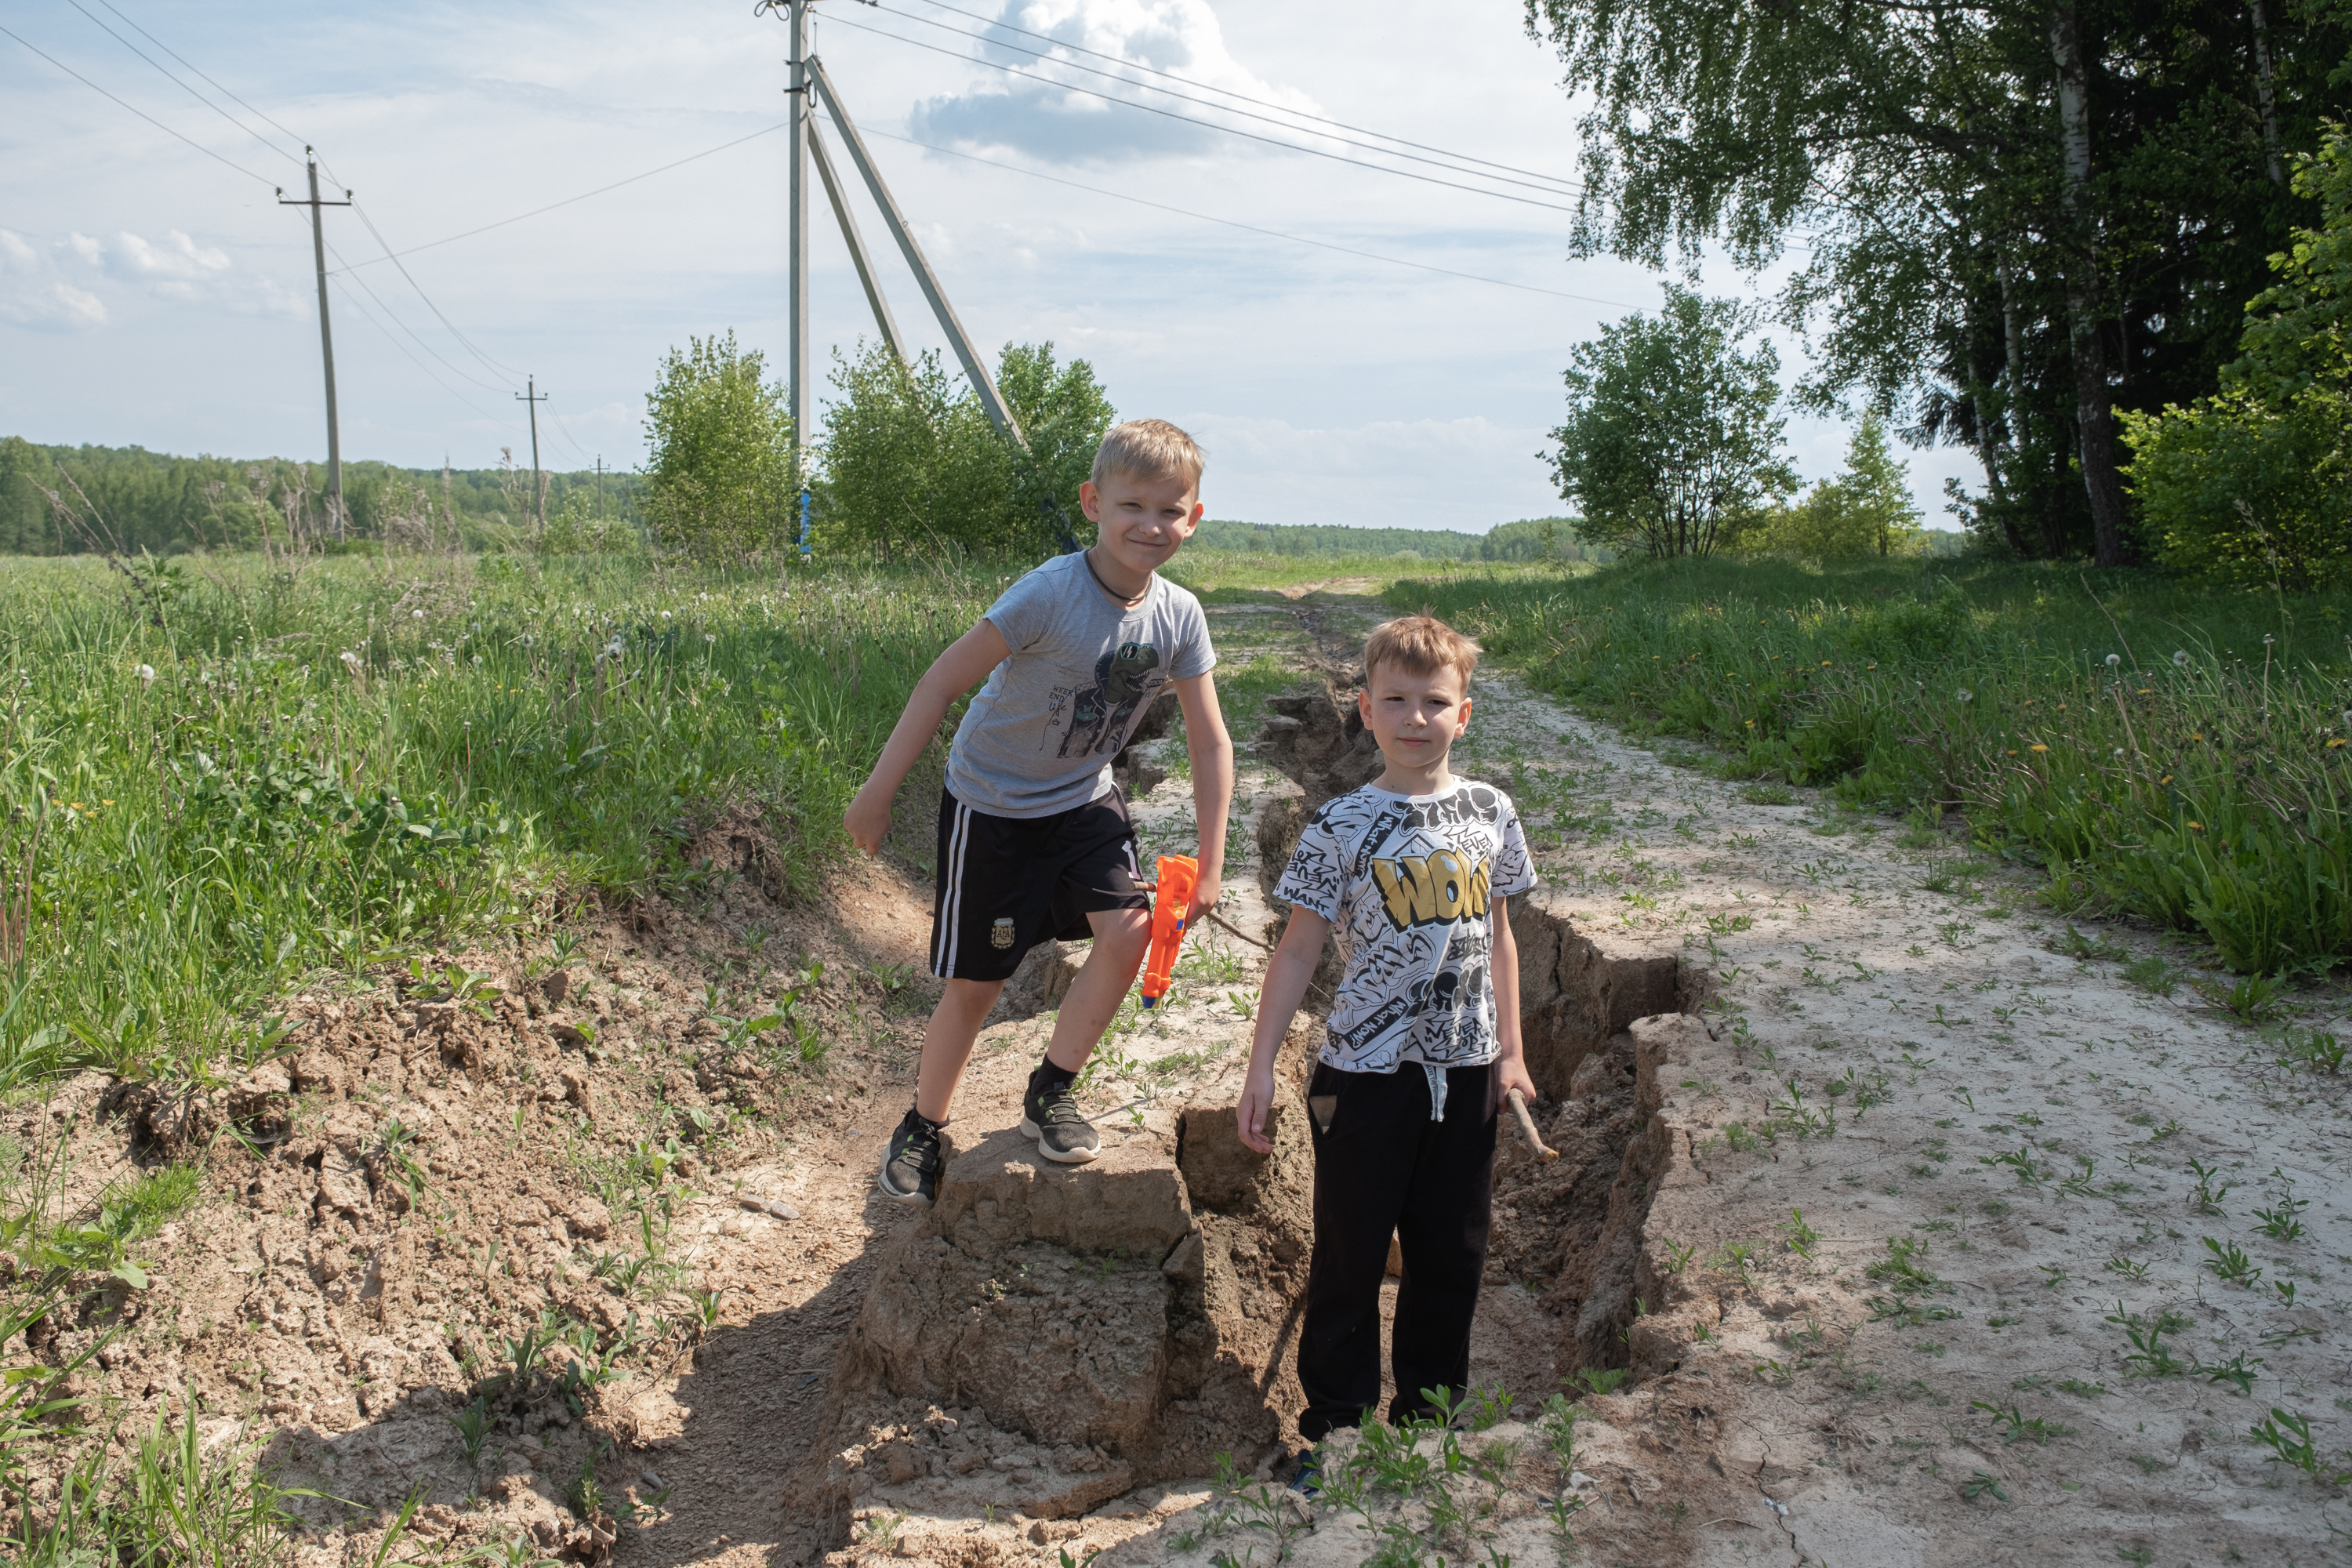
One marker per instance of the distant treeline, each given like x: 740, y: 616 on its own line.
x: 1532, y: 539
x: 157, y: 503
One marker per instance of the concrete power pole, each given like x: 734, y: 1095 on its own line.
x: 538, y: 486
x: 326, y: 342
x: 798, y: 116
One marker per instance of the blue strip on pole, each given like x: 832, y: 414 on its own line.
x: 806, y: 551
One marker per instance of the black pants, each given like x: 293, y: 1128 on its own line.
x: 1382, y: 1166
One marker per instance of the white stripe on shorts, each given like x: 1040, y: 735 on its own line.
x: 943, y: 940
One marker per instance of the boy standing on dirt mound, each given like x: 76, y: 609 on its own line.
x: 1412, y: 871
x: 1035, y: 841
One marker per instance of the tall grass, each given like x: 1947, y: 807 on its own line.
x: 215, y: 779
x: 2159, y: 748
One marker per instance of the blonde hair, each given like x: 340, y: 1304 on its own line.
x: 1150, y: 449
x: 1419, y: 645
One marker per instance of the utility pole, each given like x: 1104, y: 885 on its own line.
x: 537, y: 488
x: 326, y: 339
x: 798, y: 114
x: 600, y: 487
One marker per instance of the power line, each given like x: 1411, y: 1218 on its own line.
x: 616, y: 185
x: 1451, y: 161
x: 99, y: 24
x: 1249, y: 227
x: 382, y: 304
x: 1228, y: 92
x: 493, y: 365
x: 215, y: 86
x: 141, y: 113
x: 358, y: 305
x: 1193, y: 119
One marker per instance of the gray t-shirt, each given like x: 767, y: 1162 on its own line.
x: 1039, y: 736
x: 1405, y: 881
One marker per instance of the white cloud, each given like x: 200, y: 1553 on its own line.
x: 176, y: 269
x: 1179, y: 36
x: 33, y: 295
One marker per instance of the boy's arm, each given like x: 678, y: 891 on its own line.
x: 1286, y: 977
x: 1212, y: 751
x: 1511, y: 1060
x: 964, y: 665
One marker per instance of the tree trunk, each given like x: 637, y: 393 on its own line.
x: 2263, y: 94
x: 2093, y: 419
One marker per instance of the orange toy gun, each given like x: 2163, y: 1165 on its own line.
x: 1179, y: 876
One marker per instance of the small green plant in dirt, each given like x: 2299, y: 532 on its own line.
x: 1801, y: 1238
x: 1904, y: 1268
x: 2231, y: 1265
x: 473, y: 1425
x: 2250, y: 998
x: 2287, y: 1435
x: 2312, y: 1052
x: 1600, y: 1380
x: 2237, y: 1371
x: 1982, y: 1484
x: 2013, y: 1425
x: 2211, y: 1189
x: 2283, y: 1220
x: 2149, y: 1355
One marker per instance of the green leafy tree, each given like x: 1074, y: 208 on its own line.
x: 1866, y: 511
x: 1672, y: 444
x: 2012, y: 216
x: 912, y: 462
x: 2254, y: 484
x: 719, y: 471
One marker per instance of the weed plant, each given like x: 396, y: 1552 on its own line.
x: 2158, y: 748
x: 216, y: 782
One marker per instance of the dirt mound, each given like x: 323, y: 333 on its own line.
x: 1045, y: 1338
x: 449, y: 1237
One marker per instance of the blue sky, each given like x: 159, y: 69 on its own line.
x: 155, y: 295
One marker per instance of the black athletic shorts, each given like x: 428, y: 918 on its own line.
x: 1007, y: 883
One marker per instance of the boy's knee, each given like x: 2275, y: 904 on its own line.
x: 1122, y: 933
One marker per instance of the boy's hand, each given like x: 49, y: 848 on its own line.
x: 1510, y: 1073
x: 869, y: 818
x: 1204, y: 899
x: 1257, y: 1099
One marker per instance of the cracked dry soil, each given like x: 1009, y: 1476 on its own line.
x: 1869, y: 1236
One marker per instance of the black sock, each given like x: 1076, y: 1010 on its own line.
x: 1048, y: 1076
x: 934, y: 1126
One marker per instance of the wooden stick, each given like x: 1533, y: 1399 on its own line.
x: 1544, y: 1154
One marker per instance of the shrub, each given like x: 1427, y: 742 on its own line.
x: 2255, y: 484
x: 718, y: 475
x: 2249, y: 491
x: 912, y: 463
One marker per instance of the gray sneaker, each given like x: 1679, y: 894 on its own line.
x: 910, y: 1164
x: 1050, y: 1115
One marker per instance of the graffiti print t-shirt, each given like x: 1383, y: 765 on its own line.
x: 1407, y: 883
x: 1039, y: 736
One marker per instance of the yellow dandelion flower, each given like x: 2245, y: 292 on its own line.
x: 2196, y: 737
x: 2335, y: 742
x: 2038, y: 746
x: 2008, y: 753
x: 1825, y: 664
x: 2165, y: 780
x: 2196, y: 827
x: 106, y: 803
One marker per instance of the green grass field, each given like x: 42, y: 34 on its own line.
x: 217, y: 780
x: 2159, y: 748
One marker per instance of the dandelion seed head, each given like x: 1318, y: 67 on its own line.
x: 1966, y: 694
x: 2180, y: 658
x: 145, y: 672
x: 2114, y: 660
